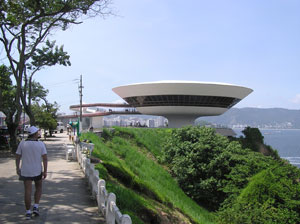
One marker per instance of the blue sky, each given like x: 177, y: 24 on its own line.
x: 250, y: 43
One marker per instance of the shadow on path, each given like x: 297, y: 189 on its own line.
x: 65, y: 199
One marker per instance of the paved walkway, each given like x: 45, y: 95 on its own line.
x: 65, y: 198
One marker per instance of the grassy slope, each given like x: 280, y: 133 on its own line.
x: 144, y: 189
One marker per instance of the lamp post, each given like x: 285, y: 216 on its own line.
x: 80, y: 97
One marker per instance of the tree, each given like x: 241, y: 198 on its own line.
x: 210, y: 168
x: 190, y: 152
x: 47, y: 56
x: 38, y: 92
x: 45, y: 115
x: 6, y: 88
x: 271, y: 196
x: 25, y: 25
x: 8, y: 104
x: 253, y: 138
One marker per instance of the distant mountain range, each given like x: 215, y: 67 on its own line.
x: 256, y: 117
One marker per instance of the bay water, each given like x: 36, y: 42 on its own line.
x: 285, y: 141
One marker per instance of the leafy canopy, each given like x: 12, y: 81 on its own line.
x: 7, y: 91
x: 208, y: 167
x: 272, y: 196
x: 45, y: 115
x: 24, y: 28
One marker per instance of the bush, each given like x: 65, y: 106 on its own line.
x: 243, y: 185
x: 127, y: 160
x: 208, y: 167
x: 254, y: 140
x: 272, y: 196
x: 191, y: 153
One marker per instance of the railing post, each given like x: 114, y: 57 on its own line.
x: 110, y: 214
x: 126, y: 219
x: 106, y: 201
x: 79, y: 156
x: 87, y: 168
x: 91, y: 148
x: 66, y: 147
x: 75, y: 157
x: 101, y: 196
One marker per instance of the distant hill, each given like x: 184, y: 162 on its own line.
x: 256, y: 117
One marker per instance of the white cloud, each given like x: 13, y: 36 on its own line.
x: 296, y: 99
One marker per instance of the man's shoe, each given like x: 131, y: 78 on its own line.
x: 28, y: 216
x: 36, y: 211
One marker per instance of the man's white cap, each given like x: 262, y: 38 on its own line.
x: 32, y: 130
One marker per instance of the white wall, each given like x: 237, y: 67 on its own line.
x: 97, y: 122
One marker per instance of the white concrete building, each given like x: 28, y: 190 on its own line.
x: 181, y: 102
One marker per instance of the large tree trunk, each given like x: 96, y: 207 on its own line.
x: 12, y: 125
x: 13, y: 119
x: 30, y: 115
x: 26, y: 94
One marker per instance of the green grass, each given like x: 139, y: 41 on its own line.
x: 131, y: 167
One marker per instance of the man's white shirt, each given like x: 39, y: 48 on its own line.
x: 31, y: 152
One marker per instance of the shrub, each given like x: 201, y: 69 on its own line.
x: 272, y: 196
x: 208, y: 167
x: 127, y: 160
x: 190, y: 153
x: 106, y: 134
x: 254, y: 140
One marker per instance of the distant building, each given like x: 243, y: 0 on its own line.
x: 181, y: 102
x: 151, y: 123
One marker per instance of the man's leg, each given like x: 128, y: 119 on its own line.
x: 27, y: 194
x: 37, y: 196
x: 38, y: 191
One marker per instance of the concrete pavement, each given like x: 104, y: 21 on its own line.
x: 65, y: 199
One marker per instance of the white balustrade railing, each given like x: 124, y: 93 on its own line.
x: 106, y: 201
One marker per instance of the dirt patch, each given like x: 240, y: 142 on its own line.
x: 264, y: 150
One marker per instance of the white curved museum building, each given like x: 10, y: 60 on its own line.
x: 181, y: 102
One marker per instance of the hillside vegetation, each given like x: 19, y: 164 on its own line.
x: 241, y: 184
x: 145, y: 189
x: 193, y: 175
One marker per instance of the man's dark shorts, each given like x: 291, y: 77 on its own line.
x: 36, y: 178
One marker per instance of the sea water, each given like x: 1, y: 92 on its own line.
x: 285, y: 141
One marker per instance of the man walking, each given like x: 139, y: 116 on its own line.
x: 33, y: 154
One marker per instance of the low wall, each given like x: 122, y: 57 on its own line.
x: 106, y: 201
